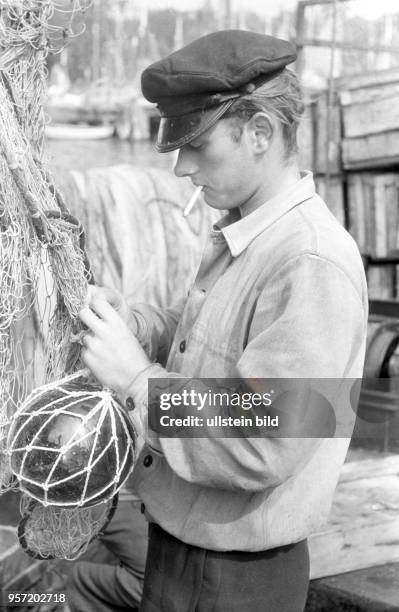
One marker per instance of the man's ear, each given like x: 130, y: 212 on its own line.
x: 260, y: 129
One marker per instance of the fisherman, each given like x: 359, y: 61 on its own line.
x: 280, y: 293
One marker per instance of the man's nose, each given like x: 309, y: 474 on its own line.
x: 185, y: 165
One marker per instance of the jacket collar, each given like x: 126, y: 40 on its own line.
x: 240, y: 232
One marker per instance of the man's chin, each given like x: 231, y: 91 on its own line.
x: 213, y: 202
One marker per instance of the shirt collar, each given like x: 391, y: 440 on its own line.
x: 240, y: 232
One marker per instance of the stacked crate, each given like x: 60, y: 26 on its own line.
x: 353, y: 148
x: 319, y: 143
x: 370, y: 159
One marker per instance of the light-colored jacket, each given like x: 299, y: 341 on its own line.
x: 280, y: 293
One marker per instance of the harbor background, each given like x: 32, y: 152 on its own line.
x: 84, y: 154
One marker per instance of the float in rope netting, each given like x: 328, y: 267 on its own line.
x: 71, y: 447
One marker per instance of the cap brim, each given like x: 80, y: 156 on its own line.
x: 175, y: 132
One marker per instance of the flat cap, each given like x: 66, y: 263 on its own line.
x: 194, y: 86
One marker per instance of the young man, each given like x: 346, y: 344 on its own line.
x: 280, y: 294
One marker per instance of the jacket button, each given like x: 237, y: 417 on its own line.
x: 182, y: 346
x: 129, y: 403
x: 142, y: 508
x: 147, y: 461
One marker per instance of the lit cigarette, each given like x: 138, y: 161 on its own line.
x: 192, y: 201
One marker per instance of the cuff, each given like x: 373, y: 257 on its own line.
x: 142, y: 333
x: 137, y: 396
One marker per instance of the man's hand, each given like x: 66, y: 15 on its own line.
x: 110, y: 350
x: 114, y: 299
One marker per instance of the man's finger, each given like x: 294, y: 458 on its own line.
x: 111, y: 296
x: 91, y: 320
x: 87, y: 339
x: 103, y: 309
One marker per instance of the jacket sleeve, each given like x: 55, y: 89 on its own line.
x: 156, y: 328
x: 309, y: 321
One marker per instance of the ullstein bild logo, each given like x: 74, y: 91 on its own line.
x: 298, y: 408
x: 218, y: 421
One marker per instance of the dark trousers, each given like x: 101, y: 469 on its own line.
x: 184, y: 578
x: 98, y: 587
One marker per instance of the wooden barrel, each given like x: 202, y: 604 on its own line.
x: 382, y: 343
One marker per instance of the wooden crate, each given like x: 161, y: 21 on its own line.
x: 373, y: 211
x: 367, y: 79
x: 381, y: 282
x: 332, y: 192
x: 372, y: 151
x: 371, y: 115
x: 363, y: 528
x: 367, y: 95
x: 305, y: 139
x: 327, y: 156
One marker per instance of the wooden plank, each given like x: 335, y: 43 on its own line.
x: 365, y: 95
x: 365, y: 501
x: 305, y: 139
x: 380, y: 216
x: 370, y: 468
x: 374, y: 164
x: 367, y: 79
x: 372, y: 117
x: 381, y: 282
x: 303, y: 3
x: 373, y: 208
x: 361, y: 209
x: 353, y: 549
x: 327, y: 158
x: 332, y: 192
x: 374, y: 151
x: 391, y: 198
x: 363, y: 527
x: 369, y: 203
x: 356, y: 211
x: 373, y: 589
x: 384, y: 308
x: 347, y: 46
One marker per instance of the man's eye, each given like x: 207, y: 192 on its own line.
x: 196, y: 146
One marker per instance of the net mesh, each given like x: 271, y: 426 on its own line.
x: 60, y: 533
x: 43, y: 272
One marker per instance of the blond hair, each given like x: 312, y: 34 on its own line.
x: 281, y: 98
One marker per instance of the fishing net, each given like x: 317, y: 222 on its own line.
x: 28, y: 33
x: 43, y: 276
x: 59, y: 533
x: 61, y: 446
